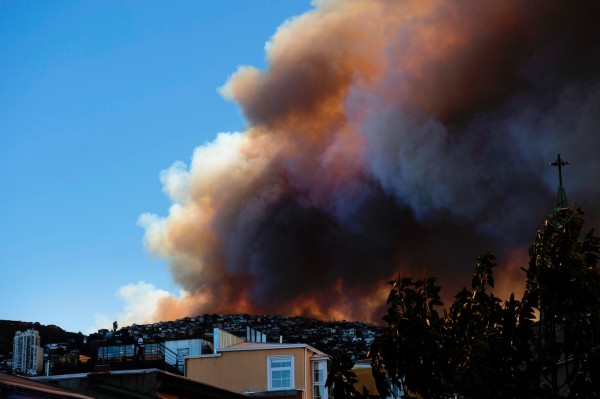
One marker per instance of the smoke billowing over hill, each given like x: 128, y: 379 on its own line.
x: 385, y: 137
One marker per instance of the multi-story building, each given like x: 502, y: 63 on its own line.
x: 28, y: 355
x: 260, y: 369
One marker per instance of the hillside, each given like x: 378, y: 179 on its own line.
x: 328, y: 336
x: 353, y: 337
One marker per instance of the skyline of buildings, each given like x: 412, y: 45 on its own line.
x: 69, y: 349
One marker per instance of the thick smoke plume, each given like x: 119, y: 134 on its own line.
x: 385, y: 138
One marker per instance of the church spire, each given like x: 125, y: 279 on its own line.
x: 562, y: 196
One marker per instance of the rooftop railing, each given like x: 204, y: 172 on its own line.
x: 126, y: 357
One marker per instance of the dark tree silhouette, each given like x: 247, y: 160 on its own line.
x: 563, y: 284
x: 341, y: 378
x: 545, y: 345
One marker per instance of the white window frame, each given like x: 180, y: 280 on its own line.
x: 316, y: 384
x: 270, y: 369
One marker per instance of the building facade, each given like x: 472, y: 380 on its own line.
x: 262, y: 369
x: 28, y: 355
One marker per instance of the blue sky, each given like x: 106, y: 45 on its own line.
x: 96, y: 98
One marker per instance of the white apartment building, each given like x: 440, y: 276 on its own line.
x: 28, y: 355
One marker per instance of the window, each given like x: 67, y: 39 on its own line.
x: 280, y: 372
x: 319, y: 378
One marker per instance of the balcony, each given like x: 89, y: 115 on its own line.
x: 123, y: 357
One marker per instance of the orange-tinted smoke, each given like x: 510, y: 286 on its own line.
x: 384, y: 137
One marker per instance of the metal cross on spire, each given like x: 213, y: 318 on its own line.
x: 559, y: 163
x: 561, y: 201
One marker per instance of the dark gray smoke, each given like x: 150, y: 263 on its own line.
x: 386, y: 137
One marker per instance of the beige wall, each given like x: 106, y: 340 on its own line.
x: 242, y: 371
x: 364, y: 375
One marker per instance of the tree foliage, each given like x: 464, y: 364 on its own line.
x: 545, y: 345
x: 563, y: 284
x: 341, y: 378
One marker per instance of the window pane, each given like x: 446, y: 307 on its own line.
x: 319, y: 392
x: 318, y: 372
x: 281, y: 378
x: 318, y: 377
x: 281, y: 370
